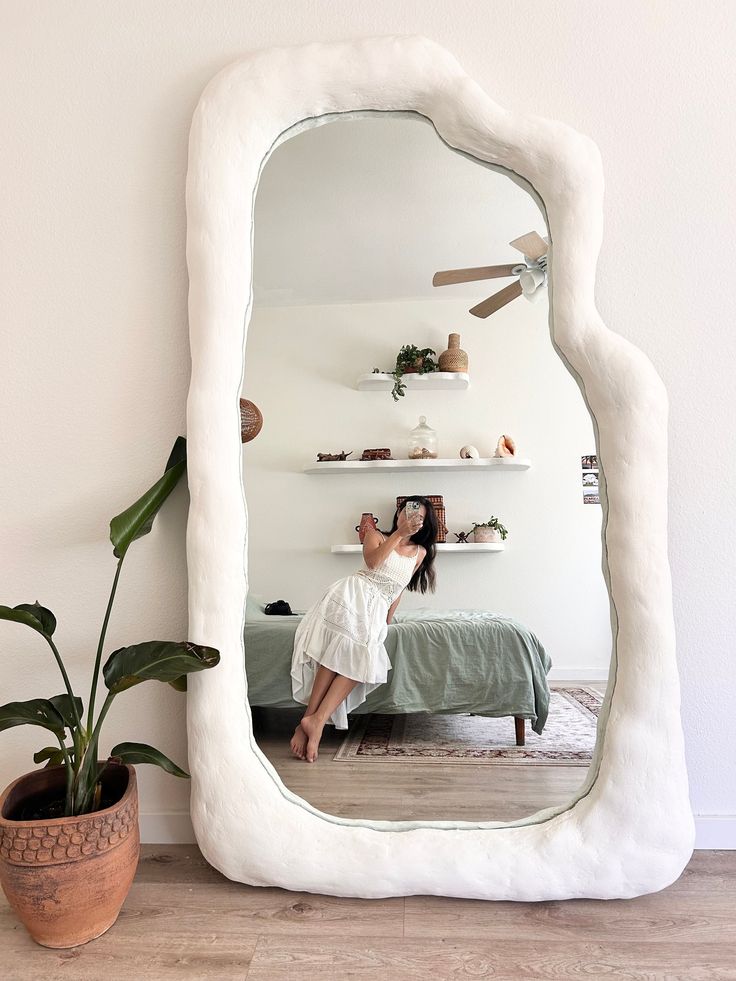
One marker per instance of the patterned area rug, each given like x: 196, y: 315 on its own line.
x: 568, y: 738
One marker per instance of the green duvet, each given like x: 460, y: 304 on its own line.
x: 442, y: 661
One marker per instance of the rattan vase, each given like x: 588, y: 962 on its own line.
x: 454, y: 358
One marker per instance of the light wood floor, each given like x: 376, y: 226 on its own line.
x: 414, y: 792
x: 183, y: 920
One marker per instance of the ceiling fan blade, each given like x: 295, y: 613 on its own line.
x: 449, y: 276
x: 486, y: 307
x: 531, y: 244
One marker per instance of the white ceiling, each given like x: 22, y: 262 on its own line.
x: 368, y: 209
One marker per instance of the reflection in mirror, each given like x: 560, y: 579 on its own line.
x: 423, y: 492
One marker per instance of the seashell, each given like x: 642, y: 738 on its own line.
x: 505, y: 447
x: 469, y: 453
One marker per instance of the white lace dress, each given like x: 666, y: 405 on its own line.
x: 345, y: 631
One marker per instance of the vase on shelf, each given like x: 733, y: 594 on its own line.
x: 454, y: 358
x: 367, y: 521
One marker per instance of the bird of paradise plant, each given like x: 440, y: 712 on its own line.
x: 159, y: 660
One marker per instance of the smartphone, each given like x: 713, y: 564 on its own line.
x: 412, y: 508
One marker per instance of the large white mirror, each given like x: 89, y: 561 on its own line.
x: 353, y: 221
x: 480, y: 698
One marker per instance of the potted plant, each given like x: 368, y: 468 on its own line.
x: 69, y: 838
x: 489, y: 531
x: 410, y: 360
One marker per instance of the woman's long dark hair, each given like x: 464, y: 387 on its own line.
x: 424, y: 577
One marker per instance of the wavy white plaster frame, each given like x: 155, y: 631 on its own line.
x: 630, y: 831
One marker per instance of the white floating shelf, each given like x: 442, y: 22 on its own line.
x: 441, y: 547
x: 379, y: 381
x: 428, y: 466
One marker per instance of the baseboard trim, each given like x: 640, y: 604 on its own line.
x: 715, y: 831
x: 578, y: 674
x: 712, y: 831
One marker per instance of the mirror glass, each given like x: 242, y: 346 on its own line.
x: 452, y: 666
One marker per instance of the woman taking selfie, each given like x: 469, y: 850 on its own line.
x: 339, y: 657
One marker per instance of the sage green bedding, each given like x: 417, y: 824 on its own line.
x: 442, y: 662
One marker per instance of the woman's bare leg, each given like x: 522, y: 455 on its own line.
x: 321, y: 686
x: 322, y: 681
x: 313, y: 723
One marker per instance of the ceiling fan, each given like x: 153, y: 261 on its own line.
x: 532, y: 275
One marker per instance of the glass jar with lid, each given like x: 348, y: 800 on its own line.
x: 423, y: 441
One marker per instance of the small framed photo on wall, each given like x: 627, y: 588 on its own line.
x: 590, y: 479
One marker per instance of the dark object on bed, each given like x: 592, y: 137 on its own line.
x: 279, y: 608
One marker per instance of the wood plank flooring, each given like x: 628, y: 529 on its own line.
x: 414, y: 792
x: 184, y: 920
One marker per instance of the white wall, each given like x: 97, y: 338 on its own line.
x: 97, y: 101
x: 301, y: 367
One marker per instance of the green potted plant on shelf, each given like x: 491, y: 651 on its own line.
x: 489, y: 531
x: 69, y: 839
x: 410, y: 360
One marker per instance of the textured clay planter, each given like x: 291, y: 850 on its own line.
x: 487, y: 535
x: 67, y: 878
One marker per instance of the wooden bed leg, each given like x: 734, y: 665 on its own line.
x: 520, y: 730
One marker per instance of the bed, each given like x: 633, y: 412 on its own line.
x: 444, y: 661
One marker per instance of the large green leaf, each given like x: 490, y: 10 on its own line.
x: 35, y: 712
x: 51, y: 753
x: 32, y: 615
x: 63, y: 705
x: 137, y: 520
x: 141, y: 753
x: 157, y: 660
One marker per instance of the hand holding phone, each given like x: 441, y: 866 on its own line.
x: 413, y: 517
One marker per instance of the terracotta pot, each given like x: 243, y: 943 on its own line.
x: 67, y: 878
x: 368, y: 520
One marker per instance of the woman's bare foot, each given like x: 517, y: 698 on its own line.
x: 313, y: 728
x: 299, y: 742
